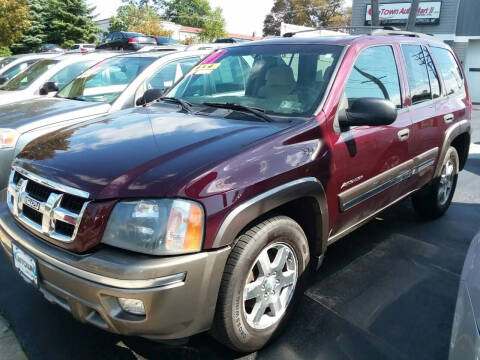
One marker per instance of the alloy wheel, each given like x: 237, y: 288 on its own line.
x: 446, y: 181
x: 270, y: 285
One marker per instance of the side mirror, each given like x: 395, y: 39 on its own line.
x: 3, y: 80
x: 370, y: 112
x: 150, y: 96
x: 48, y: 87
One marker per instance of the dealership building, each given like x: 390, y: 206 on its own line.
x: 457, y: 22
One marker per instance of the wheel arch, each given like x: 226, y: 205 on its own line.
x: 304, y: 200
x: 456, y: 136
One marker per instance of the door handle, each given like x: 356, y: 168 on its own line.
x: 403, y: 134
x: 448, y: 118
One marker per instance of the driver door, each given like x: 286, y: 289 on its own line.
x: 370, y: 163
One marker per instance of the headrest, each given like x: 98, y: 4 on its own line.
x: 281, y: 75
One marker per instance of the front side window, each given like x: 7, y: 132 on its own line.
x: 279, y: 79
x: 170, y: 73
x: 374, y: 75
x: 448, y: 67
x: 27, y: 77
x: 70, y: 72
x: 417, y: 72
x: 107, y: 80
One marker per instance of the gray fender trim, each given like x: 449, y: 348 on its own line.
x: 253, y: 208
x: 463, y: 126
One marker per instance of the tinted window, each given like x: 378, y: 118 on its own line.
x: 279, y: 79
x: 75, y: 47
x: 417, y: 73
x: 24, y: 79
x: 171, y: 73
x: 374, y: 75
x: 448, y: 67
x: 432, y: 75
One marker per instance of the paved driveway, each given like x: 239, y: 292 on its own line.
x: 387, y: 291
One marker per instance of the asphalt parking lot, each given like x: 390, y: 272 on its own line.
x: 387, y: 291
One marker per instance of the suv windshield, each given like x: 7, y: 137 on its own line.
x: 24, y: 79
x: 105, y: 81
x: 280, y: 79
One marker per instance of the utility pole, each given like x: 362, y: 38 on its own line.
x: 375, y: 13
x: 412, y: 17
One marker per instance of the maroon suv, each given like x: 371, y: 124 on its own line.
x: 205, y: 210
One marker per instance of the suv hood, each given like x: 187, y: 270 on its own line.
x: 27, y: 115
x: 134, y: 153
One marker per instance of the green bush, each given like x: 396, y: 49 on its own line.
x: 5, y: 51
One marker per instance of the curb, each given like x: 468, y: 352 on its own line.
x: 9, y: 346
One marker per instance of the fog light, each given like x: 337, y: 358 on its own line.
x: 132, y: 306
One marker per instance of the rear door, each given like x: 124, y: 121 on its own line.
x: 424, y: 96
x: 370, y: 162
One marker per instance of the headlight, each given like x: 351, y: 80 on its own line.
x: 8, y: 138
x: 156, y: 226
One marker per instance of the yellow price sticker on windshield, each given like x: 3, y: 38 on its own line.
x: 205, y: 68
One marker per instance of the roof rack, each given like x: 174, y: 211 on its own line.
x: 380, y: 32
x: 362, y: 30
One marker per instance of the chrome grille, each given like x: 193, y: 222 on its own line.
x: 50, y: 209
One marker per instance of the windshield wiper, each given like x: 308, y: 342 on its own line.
x: 184, y: 104
x: 260, y: 113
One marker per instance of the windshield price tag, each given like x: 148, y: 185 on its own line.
x: 204, y: 69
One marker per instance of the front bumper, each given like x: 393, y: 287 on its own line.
x: 179, y: 293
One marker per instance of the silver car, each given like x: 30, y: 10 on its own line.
x: 114, y: 84
x: 12, y: 65
x: 46, y: 76
x: 465, y: 341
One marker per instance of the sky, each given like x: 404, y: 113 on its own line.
x: 242, y: 16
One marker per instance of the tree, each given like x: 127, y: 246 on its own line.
x: 214, y: 28
x: 132, y: 18
x: 312, y: 13
x: 412, y: 17
x: 36, y: 34
x: 156, y: 5
x: 195, y: 13
x: 14, y: 20
x: 199, y: 14
x: 70, y: 22
x: 5, y: 51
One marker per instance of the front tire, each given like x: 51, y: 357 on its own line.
x: 262, y: 280
x: 434, y: 200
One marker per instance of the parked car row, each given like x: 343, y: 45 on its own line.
x: 205, y: 207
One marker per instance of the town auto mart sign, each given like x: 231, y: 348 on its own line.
x: 397, y: 13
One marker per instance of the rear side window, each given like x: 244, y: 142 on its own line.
x: 374, y: 75
x: 432, y: 75
x: 171, y: 73
x: 417, y: 72
x: 448, y: 67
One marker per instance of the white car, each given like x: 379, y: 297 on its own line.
x: 47, y: 76
x: 81, y: 48
x: 209, y: 46
x: 12, y: 65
